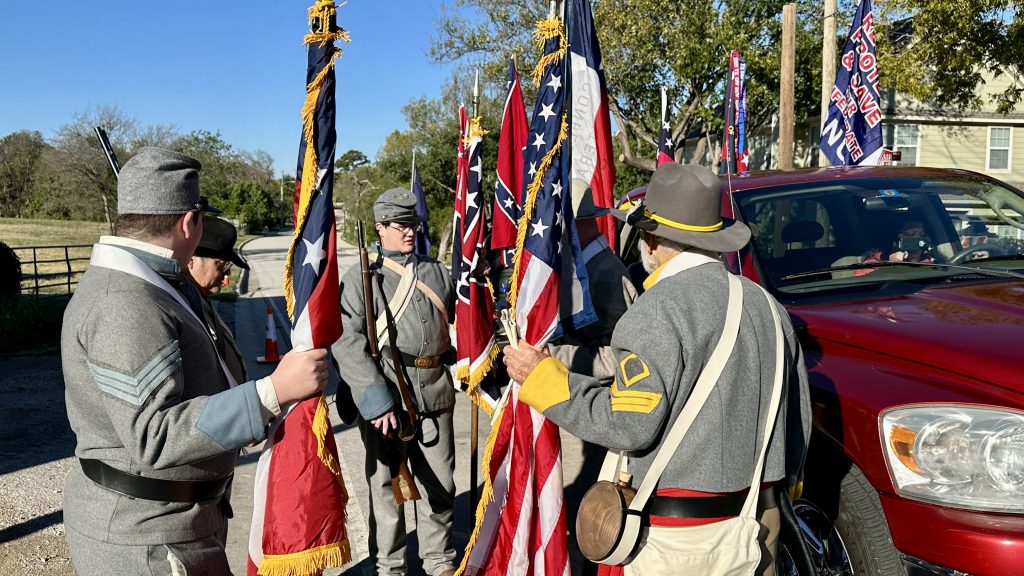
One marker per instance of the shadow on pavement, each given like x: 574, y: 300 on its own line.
x: 31, y: 525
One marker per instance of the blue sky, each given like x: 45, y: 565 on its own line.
x: 234, y: 67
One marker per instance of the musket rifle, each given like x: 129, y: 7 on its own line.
x: 108, y: 150
x: 401, y: 479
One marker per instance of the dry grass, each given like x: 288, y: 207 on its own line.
x: 17, y: 232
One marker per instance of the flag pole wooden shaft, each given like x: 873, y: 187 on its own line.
x: 786, y: 87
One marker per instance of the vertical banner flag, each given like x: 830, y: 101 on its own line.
x: 298, y: 521
x: 509, y: 189
x: 475, y: 345
x: 461, y: 171
x: 735, y: 158
x: 422, y: 242
x: 520, y: 521
x: 666, y: 151
x: 593, y: 164
x: 852, y: 133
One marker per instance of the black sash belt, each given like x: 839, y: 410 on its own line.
x: 153, y: 488
x: 721, y: 506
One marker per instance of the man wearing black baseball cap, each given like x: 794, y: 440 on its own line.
x: 211, y: 263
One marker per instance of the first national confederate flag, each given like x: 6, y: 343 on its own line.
x: 298, y: 521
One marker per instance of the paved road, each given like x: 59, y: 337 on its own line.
x: 266, y: 256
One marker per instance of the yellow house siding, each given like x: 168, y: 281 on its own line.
x: 944, y: 146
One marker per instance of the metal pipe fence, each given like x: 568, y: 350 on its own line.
x: 52, y: 270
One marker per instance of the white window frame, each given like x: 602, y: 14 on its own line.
x: 917, y: 143
x: 1009, y: 152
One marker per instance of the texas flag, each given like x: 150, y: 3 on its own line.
x: 593, y: 163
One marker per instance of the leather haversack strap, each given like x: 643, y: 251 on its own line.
x: 719, y: 506
x: 152, y: 488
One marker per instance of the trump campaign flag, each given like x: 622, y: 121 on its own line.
x: 666, y: 152
x: 593, y: 164
x: 520, y: 522
x: 298, y: 521
x: 422, y: 242
x: 508, y: 190
x: 475, y: 345
x: 852, y: 133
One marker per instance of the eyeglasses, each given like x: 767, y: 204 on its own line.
x: 404, y: 227
x: 222, y: 265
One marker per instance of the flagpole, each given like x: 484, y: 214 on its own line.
x: 474, y: 415
x: 412, y: 174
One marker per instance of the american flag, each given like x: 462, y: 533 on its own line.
x: 593, y: 161
x: 520, y: 525
x: 735, y: 158
x: 475, y: 346
x: 852, y: 133
x: 666, y: 150
x: 298, y: 521
x: 422, y: 245
x: 508, y: 191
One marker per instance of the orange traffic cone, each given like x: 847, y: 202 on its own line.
x: 270, y: 354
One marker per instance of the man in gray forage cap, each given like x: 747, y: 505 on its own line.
x: 419, y: 290
x: 159, y: 419
x: 661, y: 345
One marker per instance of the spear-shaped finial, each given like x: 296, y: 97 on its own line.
x: 476, y: 94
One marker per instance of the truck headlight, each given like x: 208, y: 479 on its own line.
x: 963, y: 456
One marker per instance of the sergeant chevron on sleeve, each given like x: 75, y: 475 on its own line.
x: 158, y: 416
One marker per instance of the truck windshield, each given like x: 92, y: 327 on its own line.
x: 842, y: 233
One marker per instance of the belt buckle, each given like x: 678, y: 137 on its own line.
x: 424, y: 362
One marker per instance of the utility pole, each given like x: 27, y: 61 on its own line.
x: 786, y: 87
x: 828, y: 66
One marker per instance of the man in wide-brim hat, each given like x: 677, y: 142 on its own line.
x: 662, y: 344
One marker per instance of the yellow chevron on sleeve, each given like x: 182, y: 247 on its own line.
x: 633, y: 401
x: 637, y: 366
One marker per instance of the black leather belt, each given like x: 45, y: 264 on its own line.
x: 414, y: 361
x: 153, y: 488
x: 720, y: 506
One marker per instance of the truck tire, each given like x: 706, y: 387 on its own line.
x: 861, y: 524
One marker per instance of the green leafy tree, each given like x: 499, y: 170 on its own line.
x: 251, y: 204
x: 20, y: 153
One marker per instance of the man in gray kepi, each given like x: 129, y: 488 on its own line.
x: 158, y: 417
x: 662, y: 344
x: 419, y: 290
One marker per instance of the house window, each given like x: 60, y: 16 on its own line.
x: 902, y: 137
x: 999, y: 138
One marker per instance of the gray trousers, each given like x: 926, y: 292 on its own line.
x: 431, y: 458
x: 204, y: 557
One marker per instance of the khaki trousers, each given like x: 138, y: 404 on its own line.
x: 647, y: 562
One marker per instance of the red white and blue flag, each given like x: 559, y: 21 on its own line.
x: 593, y: 162
x: 852, y: 132
x: 735, y: 157
x: 508, y: 191
x: 298, y: 521
x: 422, y: 241
x: 666, y: 149
x: 461, y: 172
x: 475, y: 345
x: 520, y: 525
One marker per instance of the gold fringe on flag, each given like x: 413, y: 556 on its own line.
x: 320, y: 15
x: 312, y: 561
x: 546, y: 30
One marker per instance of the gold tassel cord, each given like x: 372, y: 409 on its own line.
x: 312, y: 561
x: 321, y: 428
x: 320, y: 15
x: 546, y: 30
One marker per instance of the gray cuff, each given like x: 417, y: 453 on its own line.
x: 375, y: 401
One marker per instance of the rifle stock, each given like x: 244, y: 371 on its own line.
x: 402, y: 484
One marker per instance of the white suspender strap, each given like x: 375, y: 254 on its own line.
x: 400, y: 300
x: 390, y: 264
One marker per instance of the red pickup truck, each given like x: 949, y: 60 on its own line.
x: 906, y: 286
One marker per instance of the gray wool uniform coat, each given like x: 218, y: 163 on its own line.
x: 661, y: 345
x: 421, y: 331
x: 146, y: 394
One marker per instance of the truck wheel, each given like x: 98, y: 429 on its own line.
x: 862, y: 526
